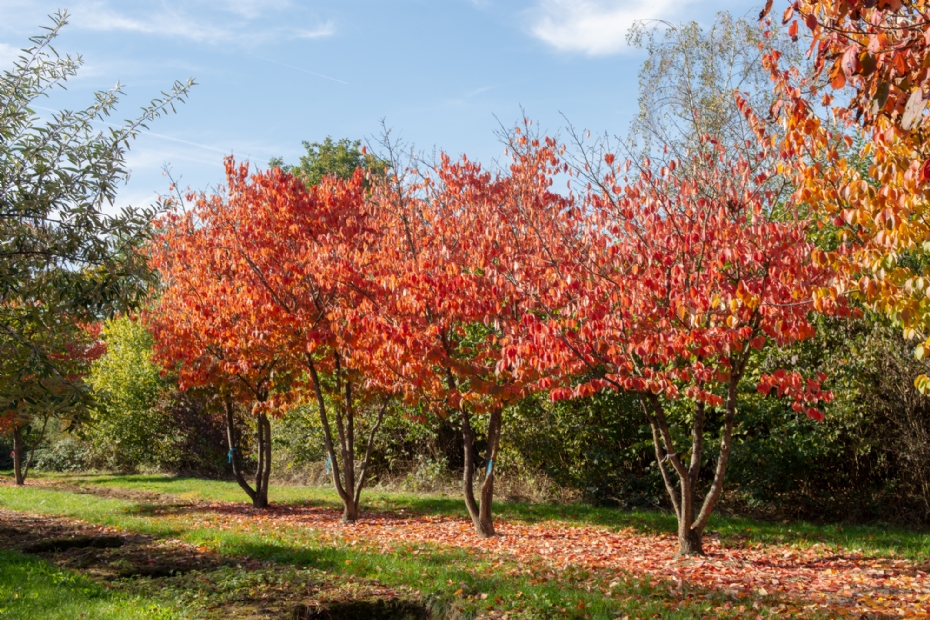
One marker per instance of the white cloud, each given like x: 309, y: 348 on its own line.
x: 166, y: 22
x: 251, y: 9
x: 8, y: 55
x: 594, y: 27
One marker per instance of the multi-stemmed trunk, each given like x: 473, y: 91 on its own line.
x: 259, y: 493
x: 691, y: 521
x: 347, y: 481
x: 480, y: 513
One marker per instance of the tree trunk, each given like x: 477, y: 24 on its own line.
x: 468, y: 474
x: 487, y: 489
x: 480, y: 514
x: 684, y: 500
x: 32, y: 450
x: 259, y: 494
x: 263, y: 473
x: 368, y: 449
x: 18, y: 450
x: 346, y: 480
x: 690, y: 526
x: 689, y: 542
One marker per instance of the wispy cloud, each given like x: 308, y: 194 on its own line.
x: 252, y: 9
x: 594, y: 27
x: 8, y: 55
x: 326, y: 77
x: 168, y: 22
x: 478, y: 91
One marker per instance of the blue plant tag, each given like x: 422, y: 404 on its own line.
x: 490, y: 467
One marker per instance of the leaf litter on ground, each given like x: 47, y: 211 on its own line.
x: 815, y: 577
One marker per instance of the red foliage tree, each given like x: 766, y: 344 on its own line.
x: 663, y: 286
x: 434, y: 318
x: 278, y: 270
x: 206, y: 327
x: 298, y: 250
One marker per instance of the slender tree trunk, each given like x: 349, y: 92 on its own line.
x: 468, y: 474
x: 487, y: 489
x: 346, y: 480
x: 18, y: 474
x: 35, y: 444
x: 263, y: 473
x: 259, y: 494
x: 690, y: 525
x: 683, y: 501
x: 481, y: 514
x: 368, y: 449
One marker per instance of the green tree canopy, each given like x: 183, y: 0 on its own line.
x: 339, y: 159
x: 65, y: 260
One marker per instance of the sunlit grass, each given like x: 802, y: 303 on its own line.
x: 471, y: 582
x: 870, y: 539
x: 31, y: 588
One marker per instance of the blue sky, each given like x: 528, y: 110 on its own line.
x: 271, y: 74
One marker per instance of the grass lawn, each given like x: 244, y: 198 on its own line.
x: 871, y: 539
x: 31, y: 588
x: 470, y: 581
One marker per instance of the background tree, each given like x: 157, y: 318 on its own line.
x: 140, y: 419
x: 688, y: 80
x: 40, y: 397
x: 64, y: 262
x: 338, y: 159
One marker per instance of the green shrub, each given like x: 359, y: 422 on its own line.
x: 142, y: 421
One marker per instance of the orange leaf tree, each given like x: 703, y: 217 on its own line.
x: 666, y: 282
x: 207, y: 327
x: 434, y: 316
x: 260, y: 279
x: 874, y: 55
x: 297, y: 249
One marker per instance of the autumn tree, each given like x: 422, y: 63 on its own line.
x: 871, y: 78
x: 276, y: 296
x: 206, y: 329
x: 65, y: 261
x: 434, y: 318
x: 665, y: 285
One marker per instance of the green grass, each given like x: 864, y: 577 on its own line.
x: 870, y: 539
x: 449, y: 577
x: 31, y: 588
x: 472, y: 582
